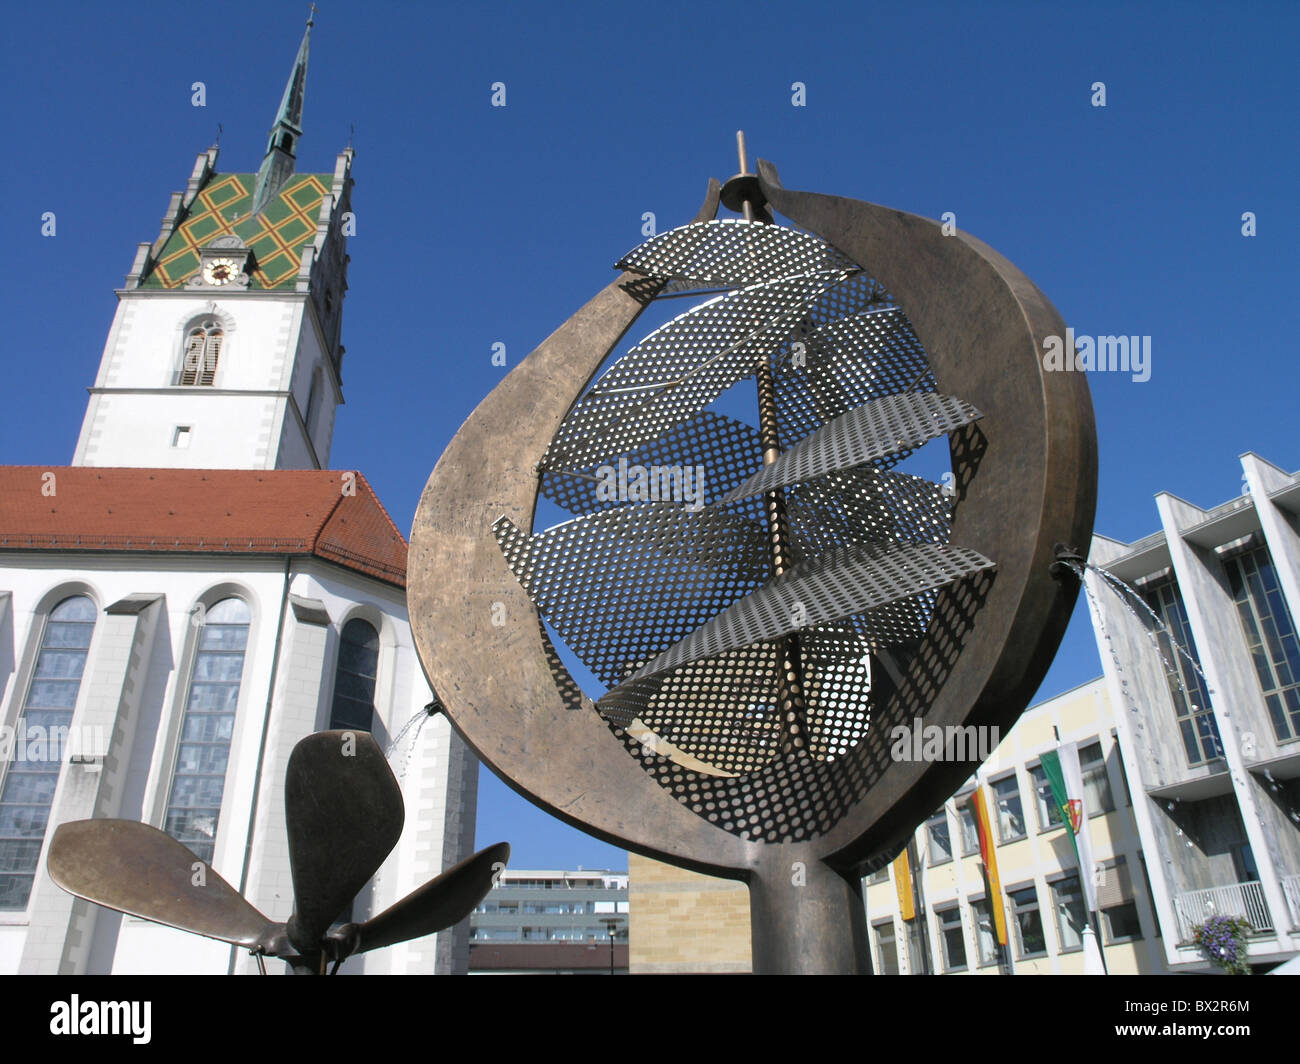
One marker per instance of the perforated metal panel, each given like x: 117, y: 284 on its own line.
x: 863, y: 505
x: 676, y: 611
x: 845, y: 363
x: 836, y: 585
x: 725, y: 450
x: 724, y: 710
x: 679, y: 369
x: 622, y: 585
x: 877, y: 430
x: 733, y: 252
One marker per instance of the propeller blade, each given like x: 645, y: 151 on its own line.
x: 141, y: 871
x: 441, y: 902
x: 344, y: 815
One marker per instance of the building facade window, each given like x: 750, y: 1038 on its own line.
x: 202, y: 352
x: 1121, y: 922
x: 1117, y: 902
x: 1028, y: 921
x: 886, y: 948
x: 1096, y: 784
x: 354, y: 680
x: 939, y: 841
x: 1196, y: 723
x: 199, y: 780
x: 29, y: 784
x: 1049, y: 813
x: 986, y: 935
x: 1067, y: 904
x: 970, y: 836
x: 1011, y: 816
x: 950, y: 935
x: 1270, y: 636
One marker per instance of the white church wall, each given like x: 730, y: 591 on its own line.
x: 145, y: 348
x: 145, y: 431
x: 435, y: 768
x: 138, y: 408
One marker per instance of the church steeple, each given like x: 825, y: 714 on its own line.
x: 226, y: 351
x: 277, y: 165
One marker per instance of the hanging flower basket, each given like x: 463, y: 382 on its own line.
x: 1222, y: 939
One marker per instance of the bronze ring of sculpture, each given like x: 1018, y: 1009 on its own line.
x: 759, y: 646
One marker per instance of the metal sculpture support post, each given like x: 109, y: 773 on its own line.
x: 760, y: 636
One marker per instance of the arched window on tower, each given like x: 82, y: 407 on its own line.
x: 202, y: 353
x: 30, y: 782
x: 354, y: 681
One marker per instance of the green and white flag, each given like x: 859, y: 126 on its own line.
x: 1061, y: 766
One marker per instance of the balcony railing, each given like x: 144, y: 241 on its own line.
x: 1291, y: 888
x: 1239, y: 899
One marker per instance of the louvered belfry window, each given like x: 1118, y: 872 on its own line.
x: 202, y: 353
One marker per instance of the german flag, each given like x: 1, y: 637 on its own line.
x: 903, y: 884
x: 990, y: 857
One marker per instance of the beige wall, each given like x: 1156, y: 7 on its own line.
x: 685, y: 922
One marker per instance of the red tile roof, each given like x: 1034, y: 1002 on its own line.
x: 332, y: 514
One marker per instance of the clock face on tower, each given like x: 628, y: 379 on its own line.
x: 219, y: 271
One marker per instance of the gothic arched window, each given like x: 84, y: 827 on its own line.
x: 202, y: 352
x: 30, y: 783
x: 354, y: 681
x: 199, y: 780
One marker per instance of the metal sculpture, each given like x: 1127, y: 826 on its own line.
x: 344, y: 814
x: 760, y: 641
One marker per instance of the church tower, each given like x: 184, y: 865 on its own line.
x: 224, y: 352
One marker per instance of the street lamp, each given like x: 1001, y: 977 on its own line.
x: 611, y: 927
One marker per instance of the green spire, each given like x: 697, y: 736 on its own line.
x: 277, y: 165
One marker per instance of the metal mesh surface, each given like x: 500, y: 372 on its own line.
x: 676, y: 611
x: 848, y: 362
x: 734, y: 253
x: 866, y: 506
x: 622, y: 585
x: 725, y: 450
x: 794, y: 799
x: 839, y: 584
x: 724, y: 710
x: 877, y: 430
x: 679, y: 369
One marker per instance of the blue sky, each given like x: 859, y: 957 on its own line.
x: 478, y: 225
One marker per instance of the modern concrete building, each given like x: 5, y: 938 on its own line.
x: 197, y: 592
x: 531, y: 906
x: 548, y: 958
x: 1192, y: 773
x: 685, y: 922
x: 1212, y: 748
x: 952, y: 930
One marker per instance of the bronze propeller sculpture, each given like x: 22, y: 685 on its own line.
x: 344, y: 813
x: 759, y: 638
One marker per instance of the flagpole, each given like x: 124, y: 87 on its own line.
x: 992, y: 879
x: 1065, y: 780
x: 918, y: 903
